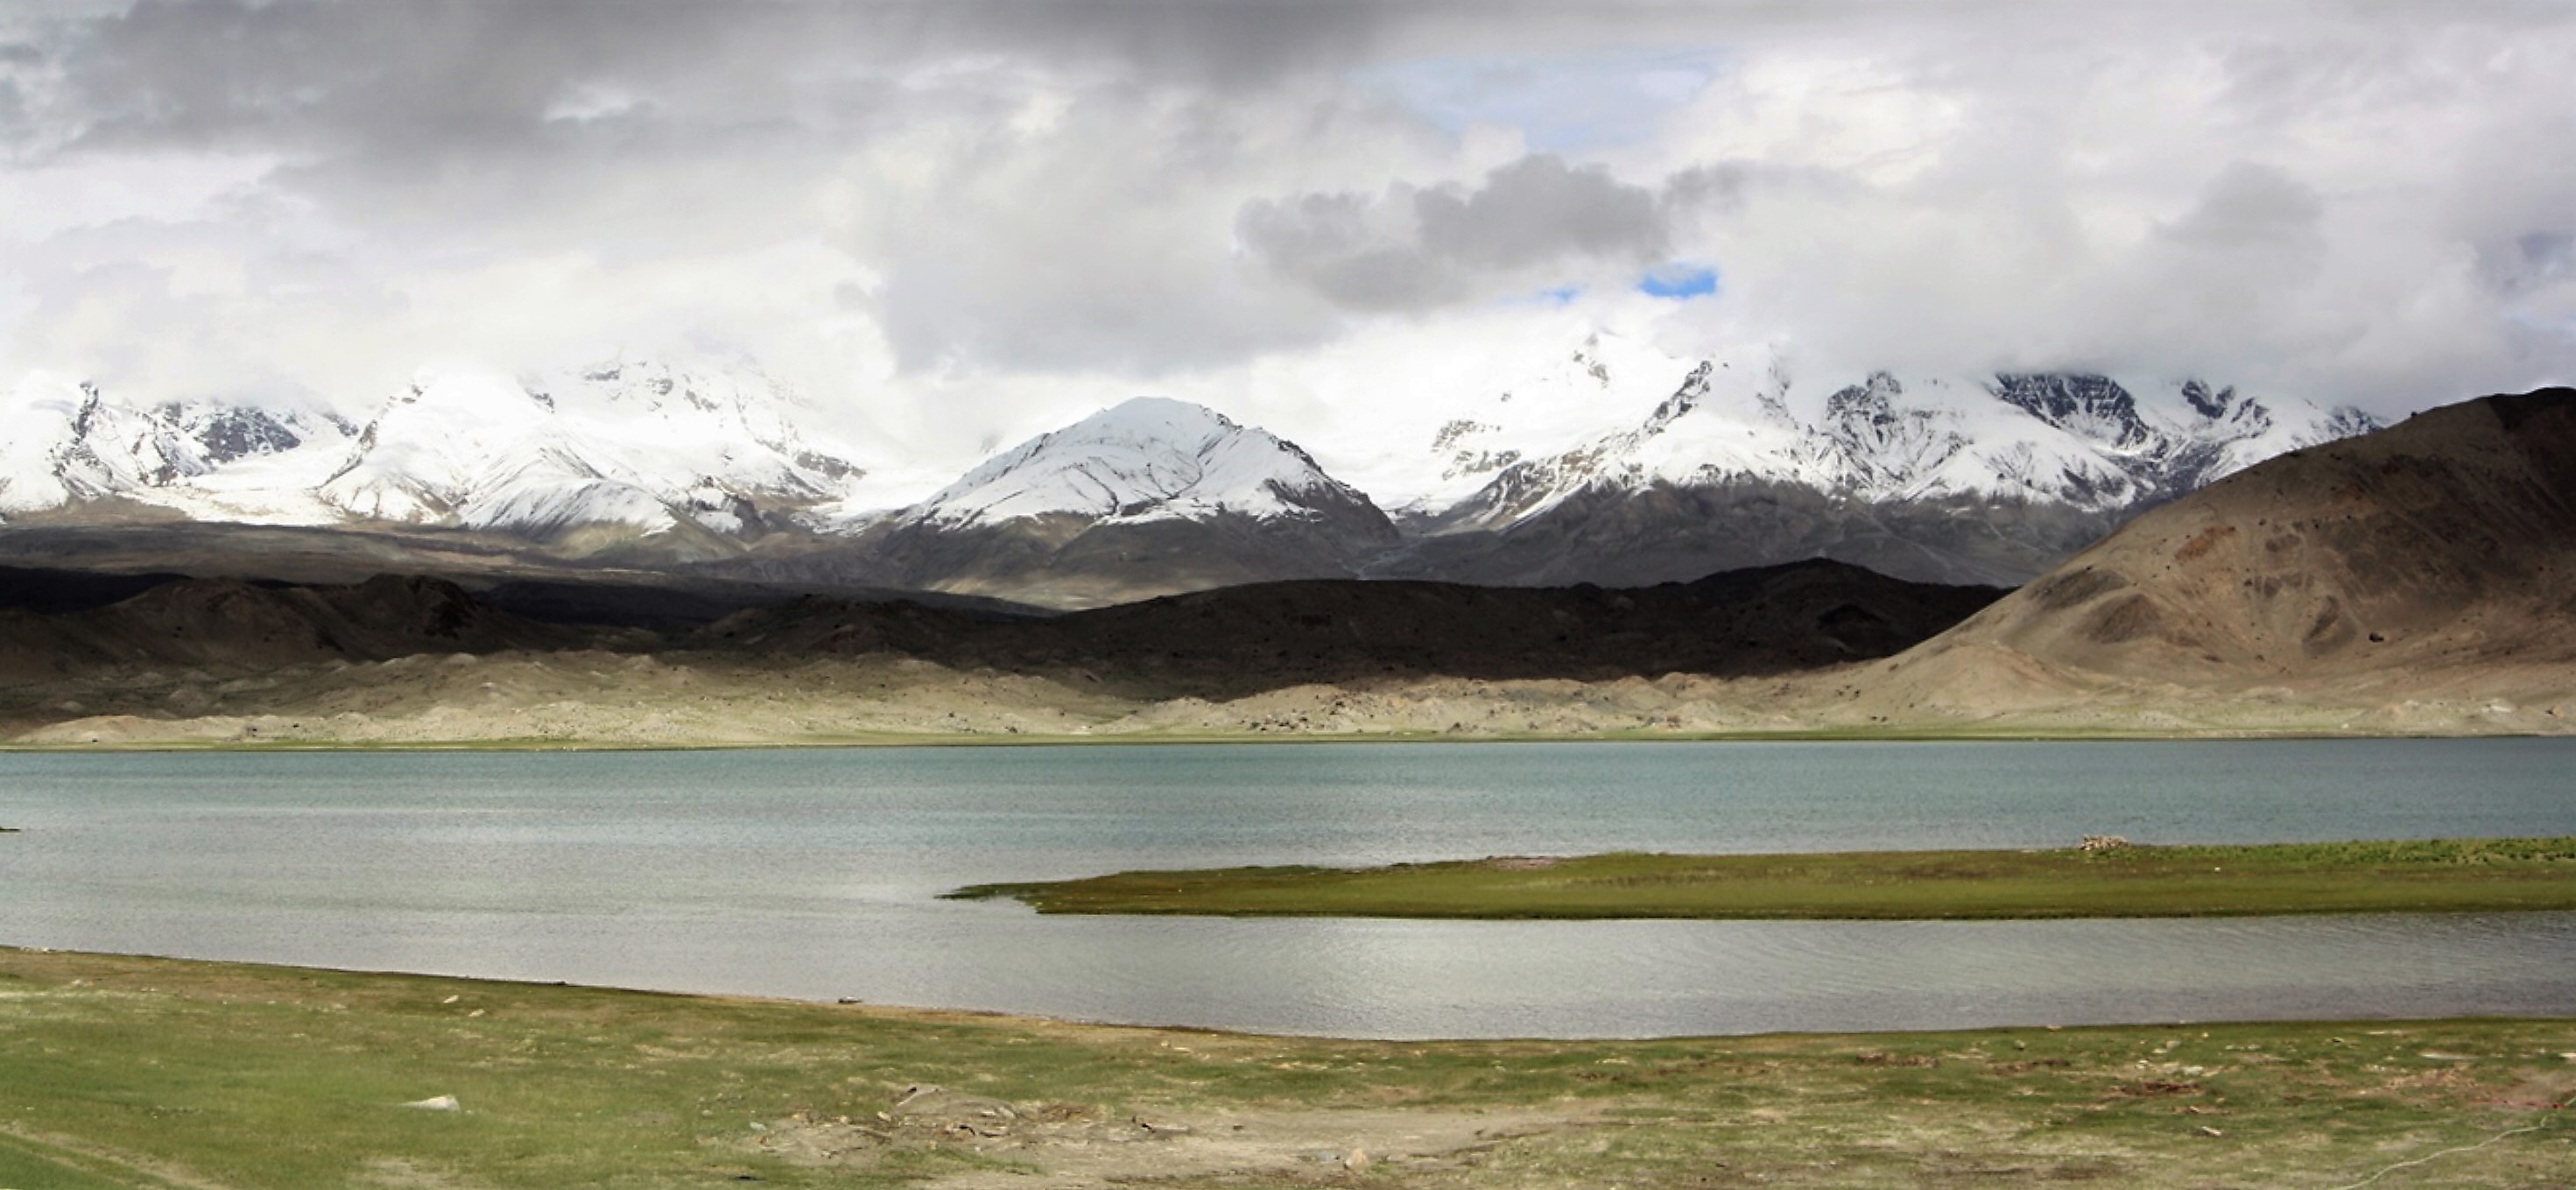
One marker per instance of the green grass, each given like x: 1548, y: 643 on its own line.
x: 125, y: 1072
x: 2437, y: 876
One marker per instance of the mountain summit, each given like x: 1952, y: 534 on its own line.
x: 1149, y: 496
x: 624, y: 448
x: 1151, y: 458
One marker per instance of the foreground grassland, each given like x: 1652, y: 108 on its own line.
x: 123, y: 1072
x: 2449, y: 875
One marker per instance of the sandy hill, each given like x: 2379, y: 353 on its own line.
x: 2433, y: 559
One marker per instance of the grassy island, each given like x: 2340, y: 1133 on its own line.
x: 153, y: 1073
x: 2106, y: 879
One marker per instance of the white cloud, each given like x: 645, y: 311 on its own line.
x: 962, y: 220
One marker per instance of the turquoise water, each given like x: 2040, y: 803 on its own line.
x: 814, y: 873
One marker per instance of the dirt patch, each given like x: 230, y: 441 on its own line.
x: 1084, y: 1145
x: 2207, y: 540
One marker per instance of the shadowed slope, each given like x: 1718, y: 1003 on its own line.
x: 227, y: 622
x: 1271, y: 635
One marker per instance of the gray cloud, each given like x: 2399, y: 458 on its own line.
x: 1411, y: 247
x: 1537, y: 209
x: 2249, y: 204
x: 425, y: 76
x: 2536, y: 260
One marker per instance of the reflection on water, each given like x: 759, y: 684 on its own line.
x: 813, y: 873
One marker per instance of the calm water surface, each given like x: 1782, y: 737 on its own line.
x: 815, y: 873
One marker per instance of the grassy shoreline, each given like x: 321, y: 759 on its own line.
x: 2429, y: 876
x: 1998, y: 735
x: 133, y: 1072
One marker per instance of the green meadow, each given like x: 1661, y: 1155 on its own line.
x: 170, y: 1075
x: 2416, y: 876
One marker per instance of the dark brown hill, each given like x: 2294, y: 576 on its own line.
x: 1268, y: 635
x: 2439, y: 553
x: 233, y: 624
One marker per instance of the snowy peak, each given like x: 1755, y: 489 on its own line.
x: 762, y: 433
x: 1607, y: 381
x: 636, y: 447
x: 649, y: 446
x: 205, y: 435
x: 67, y: 443
x: 2085, y: 441
x: 2093, y: 408
x: 2211, y: 406
x: 1146, y: 459
x: 1874, y: 445
x: 449, y: 443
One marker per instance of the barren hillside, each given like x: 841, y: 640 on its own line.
x: 2436, y: 559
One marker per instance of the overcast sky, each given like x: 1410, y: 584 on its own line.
x: 962, y: 221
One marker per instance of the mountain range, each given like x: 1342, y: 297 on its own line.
x: 1609, y: 463
x: 2418, y: 579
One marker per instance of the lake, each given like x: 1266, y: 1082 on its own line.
x: 815, y: 874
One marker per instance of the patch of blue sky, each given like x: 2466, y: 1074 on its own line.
x: 1569, y: 104
x: 1679, y: 282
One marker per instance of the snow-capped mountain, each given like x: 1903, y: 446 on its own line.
x: 1151, y: 458
x: 607, y: 452
x: 1609, y: 462
x: 648, y: 447
x: 1148, y: 497
x: 1987, y: 479
x: 2087, y: 441
x: 67, y: 443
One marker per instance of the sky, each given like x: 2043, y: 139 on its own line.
x: 960, y: 222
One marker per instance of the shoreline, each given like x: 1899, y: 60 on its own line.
x: 120, y: 1071
x: 928, y: 1014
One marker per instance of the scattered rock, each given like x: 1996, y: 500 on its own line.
x: 435, y: 1103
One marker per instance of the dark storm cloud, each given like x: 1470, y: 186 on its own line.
x: 428, y: 75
